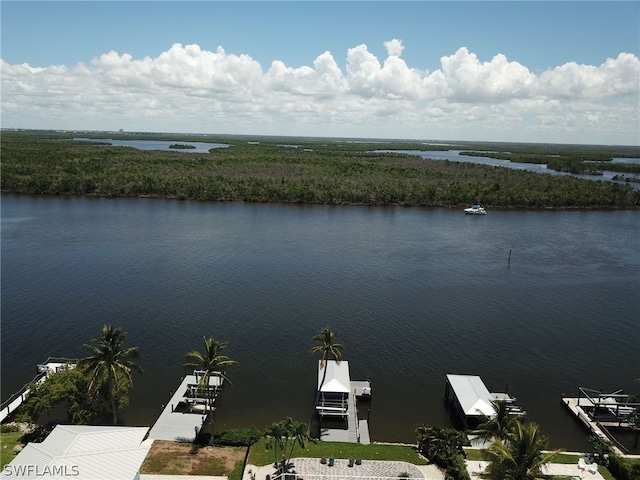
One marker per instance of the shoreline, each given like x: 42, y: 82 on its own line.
x: 368, y: 205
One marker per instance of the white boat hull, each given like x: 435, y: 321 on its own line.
x: 475, y: 210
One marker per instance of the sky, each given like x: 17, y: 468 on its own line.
x: 511, y: 71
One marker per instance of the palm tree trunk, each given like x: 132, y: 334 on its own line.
x: 324, y: 376
x: 114, y: 411
x: 211, y: 442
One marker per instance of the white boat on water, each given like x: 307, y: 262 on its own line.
x: 475, y: 210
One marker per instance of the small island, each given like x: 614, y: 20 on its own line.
x: 181, y: 146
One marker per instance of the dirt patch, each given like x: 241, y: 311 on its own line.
x: 173, y: 458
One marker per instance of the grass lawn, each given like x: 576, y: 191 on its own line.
x: 259, y: 455
x: 8, y: 441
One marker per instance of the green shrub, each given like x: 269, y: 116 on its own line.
x: 10, y: 427
x: 620, y: 469
x: 239, y: 437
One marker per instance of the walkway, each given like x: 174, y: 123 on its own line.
x: 475, y: 467
x: 312, y: 469
x: 357, y: 430
x: 177, y: 422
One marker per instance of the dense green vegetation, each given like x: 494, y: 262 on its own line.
x: 316, y: 171
x: 590, y: 160
x: 182, y: 146
x: 444, y: 447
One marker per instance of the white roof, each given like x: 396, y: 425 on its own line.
x: 337, y: 379
x: 82, y: 452
x: 473, y: 395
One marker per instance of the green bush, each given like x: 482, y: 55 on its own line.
x: 239, y: 437
x: 10, y: 427
x: 621, y: 469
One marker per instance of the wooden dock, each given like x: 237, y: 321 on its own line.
x: 186, y: 413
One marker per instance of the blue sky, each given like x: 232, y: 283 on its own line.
x: 541, y: 42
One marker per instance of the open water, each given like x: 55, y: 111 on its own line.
x: 414, y: 293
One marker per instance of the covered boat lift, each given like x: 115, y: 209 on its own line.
x: 334, y: 392
x: 337, y: 405
x: 470, y: 402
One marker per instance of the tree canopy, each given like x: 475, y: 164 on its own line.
x: 112, y: 364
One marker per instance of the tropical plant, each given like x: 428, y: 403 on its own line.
x: 284, y: 436
x: 602, y: 448
x: 443, y: 446
x: 212, y: 362
x: 328, y: 349
x: 498, y: 425
x: 274, y: 434
x: 238, y: 437
x: 521, y: 456
x: 68, y: 385
x: 297, y: 435
x: 110, y: 366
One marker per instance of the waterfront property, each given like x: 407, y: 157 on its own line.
x: 605, y: 413
x: 184, y: 416
x: 83, y: 452
x: 49, y: 366
x: 414, y: 261
x: 337, y: 406
x: 470, y: 402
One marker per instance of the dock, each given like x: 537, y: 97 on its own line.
x: 338, y: 405
x: 470, y: 402
x: 599, y: 412
x: 49, y: 366
x: 184, y: 416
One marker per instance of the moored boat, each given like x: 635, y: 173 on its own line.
x: 475, y: 210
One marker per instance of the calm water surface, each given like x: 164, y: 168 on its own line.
x: 165, y: 145
x: 458, y: 156
x: 414, y: 293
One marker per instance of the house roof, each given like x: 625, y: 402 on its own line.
x: 83, y: 452
x: 337, y: 379
x: 473, y: 395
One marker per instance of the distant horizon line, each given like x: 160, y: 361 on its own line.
x: 431, y: 141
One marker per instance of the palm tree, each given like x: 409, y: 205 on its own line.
x: 275, y: 435
x: 213, y: 363
x: 297, y: 432
x: 521, y: 456
x: 285, y: 435
x: 328, y: 349
x: 499, y: 425
x: 110, y: 362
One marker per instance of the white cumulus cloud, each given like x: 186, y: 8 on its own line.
x: 394, y: 47
x: 187, y: 88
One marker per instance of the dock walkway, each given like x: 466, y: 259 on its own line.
x: 184, y: 416
x: 575, y: 406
